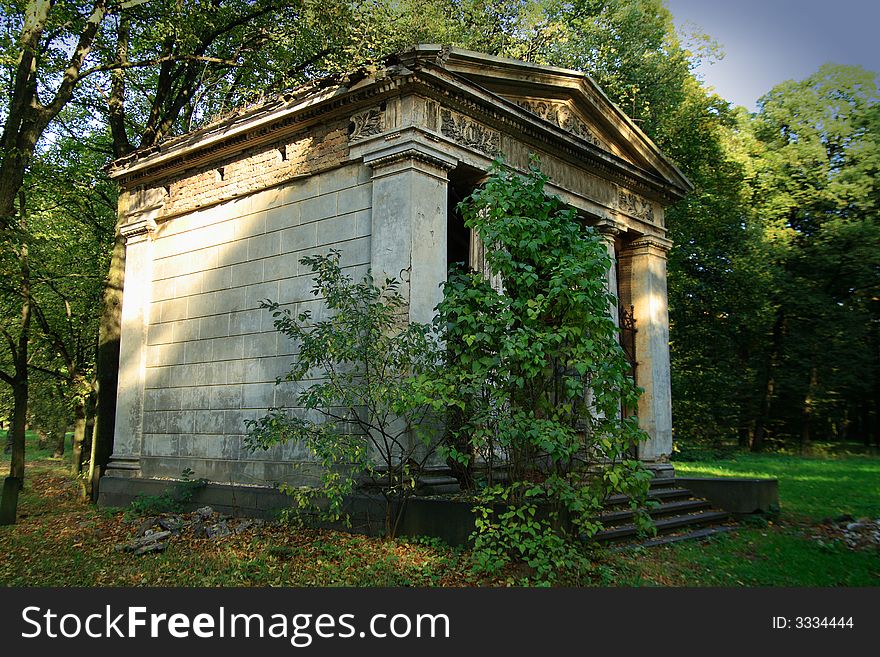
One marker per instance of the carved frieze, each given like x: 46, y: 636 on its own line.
x: 469, y: 133
x: 366, y: 124
x: 561, y: 114
x: 634, y: 205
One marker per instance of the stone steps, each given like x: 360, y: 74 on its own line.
x: 437, y: 484
x: 666, y: 539
x: 663, y: 525
x: 679, y: 515
x: 665, y: 493
x: 677, y: 507
x: 695, y: 535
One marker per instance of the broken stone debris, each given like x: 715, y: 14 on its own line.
x: 153, y: 533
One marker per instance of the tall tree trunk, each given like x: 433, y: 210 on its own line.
x: 20, y: 386
x: 108, y: 362
x: 109, y: 329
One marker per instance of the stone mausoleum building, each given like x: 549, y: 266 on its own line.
x: 372, y: 165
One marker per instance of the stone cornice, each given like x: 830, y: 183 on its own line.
x: 258, y: 128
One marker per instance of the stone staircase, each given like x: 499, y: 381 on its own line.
x: 679, y: 515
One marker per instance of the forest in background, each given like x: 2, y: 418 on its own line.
x: 774, y: 279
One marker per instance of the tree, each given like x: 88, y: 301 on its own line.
x: 58, y: 287
x: 816, y: 193
x: 44, y: 73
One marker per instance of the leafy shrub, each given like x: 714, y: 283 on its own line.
x: 365, y: 420
x: 535, y: 379
x: 173, y: 500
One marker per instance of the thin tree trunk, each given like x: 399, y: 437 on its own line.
x: 768, y: 385
x: 875, y: 334
x: 79, y: 434
x: 743, y: 436
x: 808, y: 408
x: 17, y: 430
x: 95, y: 468
x: 763, y: 415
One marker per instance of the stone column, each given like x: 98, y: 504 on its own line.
x: 136, y: 297
x: 408, y: 240
x: 644, y: 264
x: 609, y: 234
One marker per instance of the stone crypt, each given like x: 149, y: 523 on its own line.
x: 373, y: 165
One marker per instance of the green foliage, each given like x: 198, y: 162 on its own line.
x: 814, y: 187
x: 173, y: 500
x: 535, y: 377
x: 360, y: 412
x: 508, y: 532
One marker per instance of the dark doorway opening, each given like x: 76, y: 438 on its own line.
x: 463, y: 180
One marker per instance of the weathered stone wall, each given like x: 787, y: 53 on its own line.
x: 317, y: 149
x: 213, y: 354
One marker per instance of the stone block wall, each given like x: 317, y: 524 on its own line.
x: 317, y: 149
x: 213, y: 354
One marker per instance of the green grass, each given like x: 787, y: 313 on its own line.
x: 809, y: 487
x: 775, y: 556
x: 32, y: 449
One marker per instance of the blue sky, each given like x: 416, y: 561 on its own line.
x: 769, y: 41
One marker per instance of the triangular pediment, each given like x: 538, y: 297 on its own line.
x: 567, y: 99
x: 565, y: 114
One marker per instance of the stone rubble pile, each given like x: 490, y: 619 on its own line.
x: 858, y: 534
x: 153, y: 533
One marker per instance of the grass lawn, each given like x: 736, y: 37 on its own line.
x: 809, y: 487
x: 61, y: 541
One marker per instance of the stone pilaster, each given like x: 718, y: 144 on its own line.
x: 137, y: 293
x: 409, y: 222
x: 644, y: 264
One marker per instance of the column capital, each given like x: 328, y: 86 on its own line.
x: 138, y: 229
x: 607, y: 228
x: 410, y: 150
x: 647, y: 245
